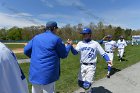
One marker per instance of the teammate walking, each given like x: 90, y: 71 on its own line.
x: 88, y: 50
x: 12, y: 79
x: 121, y: 44
x: 109, y: 46
x: 45, y: 51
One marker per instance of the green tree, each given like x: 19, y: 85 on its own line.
x: 118, y: 33
x: 3, y: 34
x: 14, y: 33
x: 128, y: 34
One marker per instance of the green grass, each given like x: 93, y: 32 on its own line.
x: 14, y: 46
x: 70, y: 67
x: 21, y: 56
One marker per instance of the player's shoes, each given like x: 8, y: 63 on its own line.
x: 108, y: 75
x: 121, y: 59
x: 88, y: 91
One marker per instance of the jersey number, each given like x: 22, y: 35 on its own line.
x: 91, y: 54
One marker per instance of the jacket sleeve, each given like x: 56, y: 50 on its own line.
x: 28, y: 49
x: 74, y: 51
x: 61, y: 50
x: 101, y: 41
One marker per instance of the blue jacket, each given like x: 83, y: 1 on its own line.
x: 45, y: 51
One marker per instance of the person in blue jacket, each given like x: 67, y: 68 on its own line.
x: 45, y: 51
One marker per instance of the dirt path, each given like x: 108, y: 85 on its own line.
x: 18, y: 50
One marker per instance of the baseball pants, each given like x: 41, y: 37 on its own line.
x: 121, y: 52
x: 87, y: 72
x: 111, y: 56
x: 49, y: 88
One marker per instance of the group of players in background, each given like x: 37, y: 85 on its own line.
x: 110, y: 46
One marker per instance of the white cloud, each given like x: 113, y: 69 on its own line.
x: 19, y: 15
x: 8, y: 20
x: 48, y: 16
x: 23, y: 14
x: 50, y: 4
x: 125, y: 18
x: 64, y: 19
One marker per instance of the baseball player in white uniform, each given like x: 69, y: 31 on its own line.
x: 109, y: 46
x: 88, y: 50
x: 12, y: 79
x: 121, y: 44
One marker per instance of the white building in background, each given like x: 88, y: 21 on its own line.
x: 135, y: 39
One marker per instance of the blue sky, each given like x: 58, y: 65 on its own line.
x: 124, y: 13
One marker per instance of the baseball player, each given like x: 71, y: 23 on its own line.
x: 121, y: 44
x: 88, y: 50
x: 110, y: 46
x: 12, y: 79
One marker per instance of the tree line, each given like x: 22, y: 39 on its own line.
x: 68, y: 31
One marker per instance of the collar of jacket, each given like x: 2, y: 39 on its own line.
x: 49, y: 31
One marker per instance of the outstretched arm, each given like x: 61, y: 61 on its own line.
x: 61, y: 49
x: 103, y: 54
x: 101, y: 41
x: 107, y: 59
x: 74, y: 51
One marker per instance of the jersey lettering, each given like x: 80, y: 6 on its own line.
x: 91, y: 53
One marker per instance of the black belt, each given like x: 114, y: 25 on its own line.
x: 87, y: 63
x: 108, y: 51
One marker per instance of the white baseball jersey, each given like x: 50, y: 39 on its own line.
x: 109, y: 45
x: 89, y: 51
x: 121, y: 44
x: 12, y: 79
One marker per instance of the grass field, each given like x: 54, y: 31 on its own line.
x: 17, y: 46
x: 14, y: 46
x: 70, y: 66
x: 21, y: 56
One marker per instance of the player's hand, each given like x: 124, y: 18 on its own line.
x: 104, y: 37
x: 69, y: 42
x: 110, y: 63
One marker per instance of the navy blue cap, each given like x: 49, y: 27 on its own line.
x: 121, y: 37
x: 51, y: 24
x: 86, y: 31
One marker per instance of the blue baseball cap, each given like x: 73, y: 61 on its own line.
x: 86, y: 31
x: 51, y: 24
x: 121, y: 37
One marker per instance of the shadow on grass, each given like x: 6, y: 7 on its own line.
x: 123, y: 59
x: 113, y: 70
x: 100, y: 89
